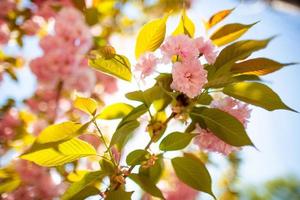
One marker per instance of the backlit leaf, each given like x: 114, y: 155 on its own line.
x: 256, y: 94
x: 118, y: 194
x: 185, y: 26
x: 87, y: 180
x: 58, y: 132
x: 150, y: 36
x: 87, y: 105
x: 115, y: 111
x: 193, y: 172
x: 217, y: 17
x: 118, y: 66
x: 229, y: 33
x: 258, y: 66
x: 58, y: 153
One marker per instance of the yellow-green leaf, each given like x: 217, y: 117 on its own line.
x: 62, y: 131
x: 256, y: 94
x: 87, y: 105
x: 150, y: 36
x: 229, y: 33
x: 59, y: 153
x: 115, y: 111
x: 87, y: 180
x: 185, y: 26
x: 118, y: 66
x: 193, y: 172
x: 217, y: 17
x: 258, y: 66
x: 9, y: 184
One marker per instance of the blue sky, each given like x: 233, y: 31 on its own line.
x: 276, y: 134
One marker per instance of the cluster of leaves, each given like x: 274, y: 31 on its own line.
x: 233, y: 73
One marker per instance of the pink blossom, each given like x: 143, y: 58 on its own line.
x: 9, y: 121
x: 109, y: 83
x: 30, y: 27
x: 207, y: 49
x: 188, y: 77
x: 209, y: 141
x: 36, y: 183
x: 6, y: 6
x: 91, y: 139
x: 4, y: 33
x: 82, y: 80
x: 181, y: 46
x: 146, y: 64
x: 179, y: 190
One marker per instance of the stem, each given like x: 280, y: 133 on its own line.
x: 104, y: 142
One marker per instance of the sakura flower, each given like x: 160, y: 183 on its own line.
x: 188, y: 77
x: 181, y: 46
x: 207, y: 140
x: 207, y: 49
x: 109, y: 83
x: 83, y: 80
x: 9, y: 121
x: 146, y: 64
x: 4, y: 33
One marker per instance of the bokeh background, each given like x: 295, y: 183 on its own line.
x: 275, y: 134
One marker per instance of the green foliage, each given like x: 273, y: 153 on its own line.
x: 87, y: 105
x: 151, y: 35
x: 59, y: 132
x: 256, y: 94
x: 223, y: 125
x: 115, y: 111
x: 229, y: 33
x: 176, y: 141
x: 185, y: 26
x: 117, y: 65
x: 10, y: 183
x: 119, y: 194
x: 258, y: 66
x: 154, y: 172
x: 146, y: 184
x: 81, y: 185
x: 136, y: 157
x: 192, y: 172
x: 58, y: 153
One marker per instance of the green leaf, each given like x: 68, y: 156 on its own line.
x: 87, y: 105
x: 147, y: 96
x: 118, y: 66
x: 62, y: 131
x: 136, y: 157
x: 123, y: 133
x: 115, y: 111
x: 258, y: 66
x: 87, y: 192
x: 256, y: 94
x: 217, y: 17
x: 185, y: 26
x: 204, y: 99
x: 150, y: 36
x: 176, y: 141
x: 88, y: 180
x: 134, y: 114
x: 146, y: 184
x: 224, y: 126
x: 153, y: 173
x: 193, y: 172
x: 118, y: 194
x: 237, y: 51
x: 58, y: 153
x: 229, y: 33
x: 91, y: 16
x: 107, y: 166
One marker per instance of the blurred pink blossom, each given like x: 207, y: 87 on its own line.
x: 9, y: 121
x: 30, y: 27
x: 4, y: 33
x: 188, y: 77
x: 146, y: 64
